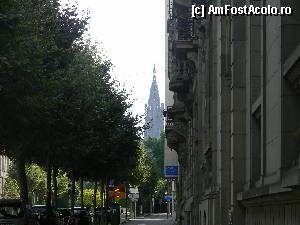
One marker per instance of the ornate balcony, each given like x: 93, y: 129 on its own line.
x: 175, y: 111
x: 171, y: 26
x: 181, y: 75
x: 180, y: 27
x: 175, y: 133
x: 179, y: 145
x: 176, y: 127
x: 184, y: 2
x: 184, y: 22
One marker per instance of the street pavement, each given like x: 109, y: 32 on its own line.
x: 156, y: 219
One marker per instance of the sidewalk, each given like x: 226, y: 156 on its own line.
x: 153, y: 219
x: 123, y: 220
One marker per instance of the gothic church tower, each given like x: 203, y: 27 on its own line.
x: 154, y: 111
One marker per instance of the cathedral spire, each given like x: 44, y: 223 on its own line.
x: 154, y: 73
x: 153, y: 111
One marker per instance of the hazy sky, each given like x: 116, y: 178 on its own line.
x: 132, y: 34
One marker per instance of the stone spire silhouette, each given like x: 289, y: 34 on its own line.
x: 154, y: 111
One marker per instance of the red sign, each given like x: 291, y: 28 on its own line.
x: 117, y: 192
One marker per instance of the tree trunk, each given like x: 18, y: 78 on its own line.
x: 100, y: 195
x: 103, y: 194
x: 20, y: 163
x: 72, y: 191
x: 54, y: 200
x: 81, y: 194
x: 102, y: 201
x: 95, y: 200
x: 107, y: 199
x: 150, y: 204
x: 49, y: 188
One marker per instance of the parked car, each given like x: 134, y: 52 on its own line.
x: 53, y: 218
x: 102, y: 212
x: 12, y: 211
x: 82, y: 216
x: 67, y: 216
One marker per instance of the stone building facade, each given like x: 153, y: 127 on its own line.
x: 235, y: 121
x: 154, y: 119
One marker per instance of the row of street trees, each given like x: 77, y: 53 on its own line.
x: 59, y: 107
x: 36, y: 181
x: 155, y: 186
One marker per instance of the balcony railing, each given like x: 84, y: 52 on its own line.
x: 180, y: 23
x: 181, y: 76
x: 176, y: 126
x: 176, y: 112
x: 171, y: 26
x: 170, y: 9
x: 184, y: 29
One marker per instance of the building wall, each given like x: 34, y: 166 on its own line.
x: 170, y: 156
x: 238, y: 79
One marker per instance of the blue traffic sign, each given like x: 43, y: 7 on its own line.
x: 171, y: 171
x: 168, y: 198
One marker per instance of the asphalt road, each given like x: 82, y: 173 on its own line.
x: 157, y: 219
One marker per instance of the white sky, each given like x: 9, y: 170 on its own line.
x: 132, y: 33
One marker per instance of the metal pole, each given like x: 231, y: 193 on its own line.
x: 150, y: 204
x: 134, y: 209
x: 173, y: 190
x: 126, y: 200
x: 153, y: 205
x: 168, y: 210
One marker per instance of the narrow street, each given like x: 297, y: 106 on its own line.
x: 157, y: 219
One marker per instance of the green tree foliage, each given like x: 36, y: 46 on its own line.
x: 160, y: 188
x: 156, y: 185
x: 88, y: 196
x: 143, y: 169
x: 60, y: 107
x: 38, y: 39
x: 36, y: 179
x: 155, y: 149
x: 11, y: 188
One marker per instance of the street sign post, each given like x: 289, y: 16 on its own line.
x: 171, y: 171
x: 168, y: 198
x: 134, y: 196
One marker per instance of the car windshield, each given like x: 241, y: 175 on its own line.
x: 40, y: 210
x: 78, y: 210
x: 11, y: 210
